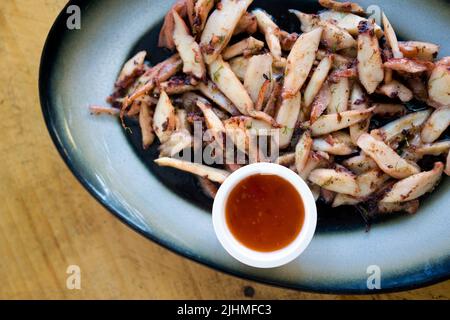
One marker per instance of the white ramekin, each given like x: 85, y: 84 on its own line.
x: 264, y: 259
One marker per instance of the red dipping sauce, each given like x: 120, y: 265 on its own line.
x: 265, y: 213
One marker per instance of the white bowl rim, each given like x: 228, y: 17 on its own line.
x: 264, y: 259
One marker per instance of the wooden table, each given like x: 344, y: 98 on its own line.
x: 48, y: 221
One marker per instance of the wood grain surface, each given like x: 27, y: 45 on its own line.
x: 48, y: 221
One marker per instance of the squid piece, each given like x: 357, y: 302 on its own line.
x: 178, y: 141
x: 333, y: 37
x: 287, y: 117
x: 274, y: 97
x: 239, y: 66
x: 436, y: 124
x: 316, y: 160
x: 188, y: 49
x: 348, y: 21
x: 201, y: 10
x: 164, y: 119
x: 288, y: 40
x: 360, y: 164
x: 131, y: 69
x: 227, y: 82
x: 271, y: 32
x: 386, y: 158
x: 317, y: 80
x: 213, y: 122
x: 300, y: 61
x: 259, y: 72
x: 408, y: 65
x: 415, y: 186
x: 395, y: 129
x: 210, y: 90
x: 389, y: 110
x: 338, y: 181
x: 410, y: 207
x: 220, y: 27
x: 342, y: 6
x: 396, y: 90
x: 213, y: 174
x: 334, y: 122
x: 146, y: 124
x: 176, y: 85
x: 147, y: 82
x: 302, y: 151
x: 98, y: 110
x: 340, y: 94
x: 434, y: 149
x: 439, y: 85
x: 244, y: 47
x: 208, y: 187
x: 419, y: 50
x: 320, y: 103
x: 370, y: 182
x: 166, y: 33
x: 447, y: 165
x: 286, y: 160
x: 334, y: 145
x: 358, y: 101
x: 391, y: 37
x: 370, y: 63
x: 247, y: 24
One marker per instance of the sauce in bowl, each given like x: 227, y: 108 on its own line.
x: 265, y: 212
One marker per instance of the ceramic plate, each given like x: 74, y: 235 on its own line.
x: 79, y: 67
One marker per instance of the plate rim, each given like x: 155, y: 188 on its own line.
x: 46, y: 106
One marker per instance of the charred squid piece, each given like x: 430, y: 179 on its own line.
x: 247, y: 24
x: 188, y: 49
x: 414, y: 186
x: 410, y: 207
x: 348, y: 21
x: 315, y: 160
x: 271, y: 32
x: 408, y: 65
x: 335, y: 180
x: 211, y: 91
x: 220, y: 27
x: 317, y: 80
x: 213, y: 174
x: 287, y: 117
x: 338, y: 144
x: 164, y: 119
x: 259, y: 72
x: 166, y: 33
x: 342, y: 6
x: 360, y: 164
x: 436, y: 124
x: 396, y: 90
x: 359, y: 101
x: 340, y: 94
x: 389, y: 110
x: 300, y: 61
x: 391, y: 37
x: 395, y: 130
x: 302, y: 151
x: 334, y: 122
x: 439, y: 85
x: 320, y: 103
x: 246, y: 47
x: 98, y: 110
x: 200, y: 13
x: 333, y: 37
x: 386, y: 158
